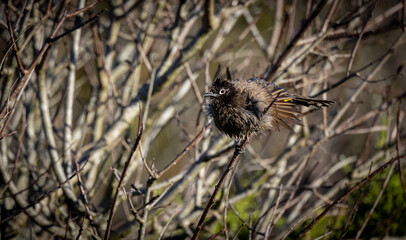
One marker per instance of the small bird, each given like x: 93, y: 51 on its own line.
x: 241, y: 107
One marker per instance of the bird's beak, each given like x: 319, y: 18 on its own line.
x: 210, y: 95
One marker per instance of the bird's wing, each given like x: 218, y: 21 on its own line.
x: 282, y: 112
x: 271, y: 104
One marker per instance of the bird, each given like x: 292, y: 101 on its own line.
x: 241, y: 107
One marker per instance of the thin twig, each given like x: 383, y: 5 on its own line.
x: 127, y: 163
x: 355, y: 48
x: 270, y: 73
x: 277, y: 29
x: 90, y: 20
x: 13, y: 41
x: 212, y: 200
x: 183, y: 152
x: 371, y: 211
x: 401, y: 176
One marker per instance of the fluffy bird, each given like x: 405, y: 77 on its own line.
x: 241, y: 107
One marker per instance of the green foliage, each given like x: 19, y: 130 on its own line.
x: 389, y: 213
x: 380, y: 143
x: 323, y: 227
x: 246, y: 209
x: 347, y: 169
x: 388, y: 217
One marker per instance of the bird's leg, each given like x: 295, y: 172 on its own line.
x: 239, y: 149
x: 240, y: 144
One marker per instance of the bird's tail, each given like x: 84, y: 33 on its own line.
x: 299, y: 100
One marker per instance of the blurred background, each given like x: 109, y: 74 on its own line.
x: 80, y: 79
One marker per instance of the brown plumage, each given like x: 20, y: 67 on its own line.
x: 241, y: 107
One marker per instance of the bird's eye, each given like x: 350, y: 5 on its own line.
x: 222, y: 91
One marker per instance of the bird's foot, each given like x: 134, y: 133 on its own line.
x: 239, y: 149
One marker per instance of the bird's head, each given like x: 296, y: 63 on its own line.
x: 221, y: 89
